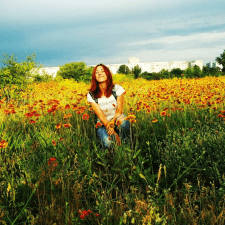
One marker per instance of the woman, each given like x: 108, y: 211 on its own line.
x: 106, y: 100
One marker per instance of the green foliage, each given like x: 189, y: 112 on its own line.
x: 42, y: 78
x: 77, y: 71
x: 136, y: 71
x: 221, y: 60
x: 177, y: 72
x: 13, y: 72
x: 124, y: 69
x: 16, y: 73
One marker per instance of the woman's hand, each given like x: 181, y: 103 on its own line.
x: 110, y: 128
x: 111, y: 131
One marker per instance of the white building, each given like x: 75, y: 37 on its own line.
x: 150, y: 67
x: 214, y: 65
x: 155, y: 67
x: 47, y: 70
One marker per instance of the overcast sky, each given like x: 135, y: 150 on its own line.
x: 111, y: 31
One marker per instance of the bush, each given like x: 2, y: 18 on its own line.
x: 77, y: 71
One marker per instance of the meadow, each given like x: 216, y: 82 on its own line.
x: 171, y: 171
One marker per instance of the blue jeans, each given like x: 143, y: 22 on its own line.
x: 123, y: 131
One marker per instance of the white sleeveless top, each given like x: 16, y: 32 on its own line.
x: 108, y: 105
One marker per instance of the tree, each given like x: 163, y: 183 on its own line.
x: 177, y: 72
x: 13, y: 72
x: 124, y: 69
x: 77, y: 71
x: 196, y: 71
x: 136, y: 71
x: 221, y: 60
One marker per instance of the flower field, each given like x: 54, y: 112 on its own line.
x: 54, y: 171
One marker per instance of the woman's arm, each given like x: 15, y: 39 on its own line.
x: 99, y: 113
x: 119, y: 109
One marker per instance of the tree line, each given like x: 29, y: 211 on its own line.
x: 22, y: 73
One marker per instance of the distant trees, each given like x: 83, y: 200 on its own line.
x: 76, y: 70
x: 136, y: 71
x: 124, y: 69
x: 221, y: 60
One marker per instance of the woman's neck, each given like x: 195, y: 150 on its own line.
x: 103, y: 88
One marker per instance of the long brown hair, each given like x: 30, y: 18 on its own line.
x: 96, y: 91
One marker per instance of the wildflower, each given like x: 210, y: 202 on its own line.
x: 3, y: 144
x: 58, y: 126
x: 84, y: 213
x: 67, y: 116
x: 67, y: 106
x: 133, y: 121
x: 53, y: 142
x: 32, y: 121
x: 118, y: 122
x: 163, y: 113
x: 67, y: 125
x: 110, y: 125
x: 98, y: 124
x: 52, y: 159
x: 97, y: 214
x: 7, y: 112
x: 155, y: 120
x: 85, y: 116
x: 61, y: 139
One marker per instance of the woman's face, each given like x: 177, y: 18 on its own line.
x: 100, y: 74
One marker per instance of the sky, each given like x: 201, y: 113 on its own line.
x: 111, y: 31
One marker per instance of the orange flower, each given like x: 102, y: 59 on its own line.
x: 98, y: 124
x: 155, y: 120
x: 110, y: 125
x: 53, y: 142
x: 58, y: 126
x: 85, y: 116
x: 118, y: 122
x: 163, y: 113
x: 67, y: 116
x: 32, y: 121
x: 67, y: 106
x: 67, y: 125
x: 3, y: 144
x: 133, y: 121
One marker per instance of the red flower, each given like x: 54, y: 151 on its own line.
x: 53, y: 142
x: 98, y: 124
x: 58, y: 126
x: 32, y: 121
x: 97, y: 214
x: 52, y: 159
x: 85, y: 116
x: 67, y: 106
x: 67, y: 125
